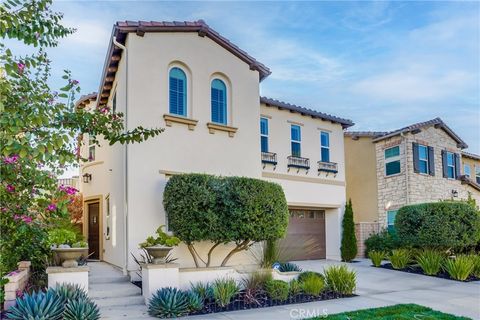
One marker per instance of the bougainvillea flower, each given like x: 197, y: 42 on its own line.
x: 20, y: 67
x: 52, y: 207
x: 10, y: 160
x: 27, y: 219
x: 10, y: 188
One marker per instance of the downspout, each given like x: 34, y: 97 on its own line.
x: 407, y: 185
x: 125, y: 177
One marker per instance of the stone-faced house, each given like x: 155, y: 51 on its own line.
x: 418, y: 163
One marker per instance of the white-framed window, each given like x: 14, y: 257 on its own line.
x: 324, y: 146
x: 391, y: 215
x: 177, y: 92
x: 264, y: 134
x: 392, y: 161
x: 423, y: 159
x: 296, y: 140
x: 219, y: 101
x: 91, y: 148
x: 467, y: 170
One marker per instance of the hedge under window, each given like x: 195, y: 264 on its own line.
x: 178, y: 92
x: 392, y: 161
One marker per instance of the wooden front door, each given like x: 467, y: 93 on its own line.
x: 305, y: 235
x: 94, y: 230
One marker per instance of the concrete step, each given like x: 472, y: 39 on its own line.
x: 119, y: 301
x: 125, y: 312
x: 108, y: 279
x: 111, y: 290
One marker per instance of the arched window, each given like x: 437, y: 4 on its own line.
x: 219, y: 101
x: 178, y: 92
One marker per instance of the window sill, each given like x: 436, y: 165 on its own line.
x: 212, y: 127
x: 170, y: 119
x: 394, y: 175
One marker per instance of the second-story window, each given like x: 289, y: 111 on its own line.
x: 219, y: 101
x: 477, y: 174
x: 296, y: 138
x: 423, y: 159
x: 264, y: 134
x: 177, y: 92
x: 325, y: 146
x: 466, y: 170
x: 114, y: 102
x: 451, y: 165
x: 392, y: 161
x: 91, y: 148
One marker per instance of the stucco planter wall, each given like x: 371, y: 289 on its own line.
x: 73, y: 275
x: 285, y: 276
x: 68, y: 256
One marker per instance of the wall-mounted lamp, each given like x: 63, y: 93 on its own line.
x: 87, y: 177
x: 454, y: 193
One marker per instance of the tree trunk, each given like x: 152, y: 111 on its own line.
x: 192, y: 252
x: 209, y: 256
x: 240, y: 247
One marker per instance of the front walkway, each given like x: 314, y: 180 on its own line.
x: 376, y: 288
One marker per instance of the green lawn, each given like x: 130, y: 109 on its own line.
x: 397, y: 312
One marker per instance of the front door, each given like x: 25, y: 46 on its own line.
x: 94, y: 230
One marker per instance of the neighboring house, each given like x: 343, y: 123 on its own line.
x: 419, y: 163
x: 471, y: 166
x: 204, y: 91
x: 72, y: 182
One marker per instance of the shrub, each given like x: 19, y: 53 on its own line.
x: 253, y: 286
x: 277, y: 289
x: 430, y: 261
x: 61, y: 236
x: 295, y: 287
x: 383, y: 241
x: 289, y: 267
x: 400, y: 258
x: 476, y: 265
x: 162, y: 238
x: 459, y: 268
x: 442, y: 225
x: 243, y: 210
x: 377, y: 257
x: 340, y: 279
x: 38, y: 305
x: 224, y: 290
x: 195, y: 302
x: 203, y: 290
x: 348, y: 248
x: 168, y: 303
x: 82, y: 309
x: 312, y: 284
x: 302, y: 276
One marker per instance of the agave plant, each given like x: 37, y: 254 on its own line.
x: 168, y: 303
x: 289, y: 267
x: 81, y: 309
x: 203, y: 290
x: 224, y: 290
x: 38, y: 305
x: 68, y: 292
x: 195, y: 302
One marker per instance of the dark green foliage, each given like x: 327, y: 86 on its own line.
x: 340, y: 279
x: 348, y: 248
x: 312, y: 284
x: 168, y: 303
x: 397, y: 312
x: 377, y: 257
x: 306, y: 274
x: 430, y: 261
x: 277, y: 289
x: 383, y: 241
x: 195, y: 302
x: 224, y: 290
x: 203, y: 207
x: 400, y: 258
x: 460, y: 267
x: 38, y: 305
x: 476, y: 263
x: 442, y: 225
x: 203, y: 290
x: 81, y: 309
x: 289, y: 267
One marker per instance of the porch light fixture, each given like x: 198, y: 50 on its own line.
x: 454, y: 193
x: 87, y: 177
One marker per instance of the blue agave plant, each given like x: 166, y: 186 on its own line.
x: 288, y: 267
x: 195, y: 302
x: 82, y: 309
x: 169, y: 303
x: 38, y: 305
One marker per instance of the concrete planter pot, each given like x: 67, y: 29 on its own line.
x: 285, y: 276
x: 68, y: 256
x: 158, y: 253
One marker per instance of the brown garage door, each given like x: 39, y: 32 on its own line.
x: 306, y: 235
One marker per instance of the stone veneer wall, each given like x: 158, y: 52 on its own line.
x: 409, y: 187
x: 17, y: 281
x: 363, y: 230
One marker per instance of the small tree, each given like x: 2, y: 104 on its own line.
x: 223, y: 210
x: 349, y: 240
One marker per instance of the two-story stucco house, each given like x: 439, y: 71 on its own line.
x: 204, y: 91
x: 418, y: 163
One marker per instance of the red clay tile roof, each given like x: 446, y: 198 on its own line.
x: 122, y: 28
x: 85, y: 99
x: 305, y: 111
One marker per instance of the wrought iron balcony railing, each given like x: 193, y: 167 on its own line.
x: 298, y: 162
x: 331, y: 167
x: 269, y: 158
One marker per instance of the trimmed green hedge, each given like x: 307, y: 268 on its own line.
x: 203, y: 207
x: 445, y: 224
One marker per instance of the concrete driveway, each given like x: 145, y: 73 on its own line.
x: 376, y: 288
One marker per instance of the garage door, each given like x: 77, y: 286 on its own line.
x: 306, y: 235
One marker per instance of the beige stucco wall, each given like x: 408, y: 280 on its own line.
x: 361, y: 177
x: 474, y: 164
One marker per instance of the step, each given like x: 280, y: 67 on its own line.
x: 119, y: 301
x: 110, y: 290
x: 108, y: 279
x: 126, y: 312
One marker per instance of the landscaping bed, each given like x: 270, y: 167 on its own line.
x: 397, y: 312
x: 418, y: 270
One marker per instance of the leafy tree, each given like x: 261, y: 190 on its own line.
x: 222, y: 210
x: 349, y: 240
x: 39, y: 132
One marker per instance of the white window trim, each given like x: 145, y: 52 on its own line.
x: 426, y: 159
x: 91, y: 145
x: 323, y: 147
x: 392, y: 159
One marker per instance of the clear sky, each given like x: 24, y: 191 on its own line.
x: 383, y: 65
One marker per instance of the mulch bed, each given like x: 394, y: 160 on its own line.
x: 263, y: 301
x: 418, y: 270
